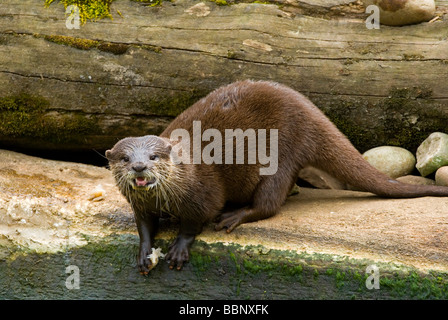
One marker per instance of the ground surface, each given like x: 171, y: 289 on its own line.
x: 45, y: 208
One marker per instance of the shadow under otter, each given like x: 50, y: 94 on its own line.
x: 154, y: 182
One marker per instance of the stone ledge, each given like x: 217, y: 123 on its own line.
x: 318, y: 247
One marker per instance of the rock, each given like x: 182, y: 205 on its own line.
x: 320, y: 179
x: 393, y: 161
x: 42, y: 202
x: 403, y: 12
x: 432, y: 153
x: 199, y: 10
x: 47, y: 224
x: 417, y: 180
x: 442, y: 176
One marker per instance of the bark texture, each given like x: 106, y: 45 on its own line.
x: 86, y: 88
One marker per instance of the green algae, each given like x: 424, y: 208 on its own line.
x: 27, y: 116
x: 86, y: 44
x: 408, y: 116
x: 172, y: 104
x: 401, y: 108
x: 78, y: 43
x: 93, y: 10
x: 88, y: 9
x: 329, y: 276
x: 221, y: 2
x: 150, y: 3
x: 217, y: 271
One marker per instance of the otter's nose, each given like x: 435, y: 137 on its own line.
x: 139, y: 167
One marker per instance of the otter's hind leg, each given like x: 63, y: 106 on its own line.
x: 269, y: 195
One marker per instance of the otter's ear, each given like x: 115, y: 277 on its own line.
x: 169, y: 147
x: 109, y: 154
x: 168, y: 144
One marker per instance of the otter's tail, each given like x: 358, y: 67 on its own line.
x: 340, y: 158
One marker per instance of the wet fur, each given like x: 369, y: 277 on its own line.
x: 198, y: 193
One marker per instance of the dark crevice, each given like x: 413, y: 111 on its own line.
x: 92, y: 157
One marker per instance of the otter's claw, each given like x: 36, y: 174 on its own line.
x: 229, y: 223
x: 143, y: 262
x: 178, y: 253
x: 231, y: 220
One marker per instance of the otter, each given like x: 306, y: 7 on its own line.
x: 154, y: 183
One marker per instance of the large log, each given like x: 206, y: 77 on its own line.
x: 85, y: 88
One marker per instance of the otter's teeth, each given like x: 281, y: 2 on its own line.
x: 141, y: 182
x: 144, y: 182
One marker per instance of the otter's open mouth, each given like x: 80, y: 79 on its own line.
x: 141, y: 182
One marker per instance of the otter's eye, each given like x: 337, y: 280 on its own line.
x: 153, y: 157
x: 125, y: 159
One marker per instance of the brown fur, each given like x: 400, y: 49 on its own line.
x: 306, y: 137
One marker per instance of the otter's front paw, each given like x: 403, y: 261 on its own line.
x: 143, y: 262
x: 178, y: 253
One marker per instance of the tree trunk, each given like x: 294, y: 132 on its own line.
x: 77, y: 89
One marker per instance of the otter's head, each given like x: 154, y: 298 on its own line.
x: 140, y: 163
